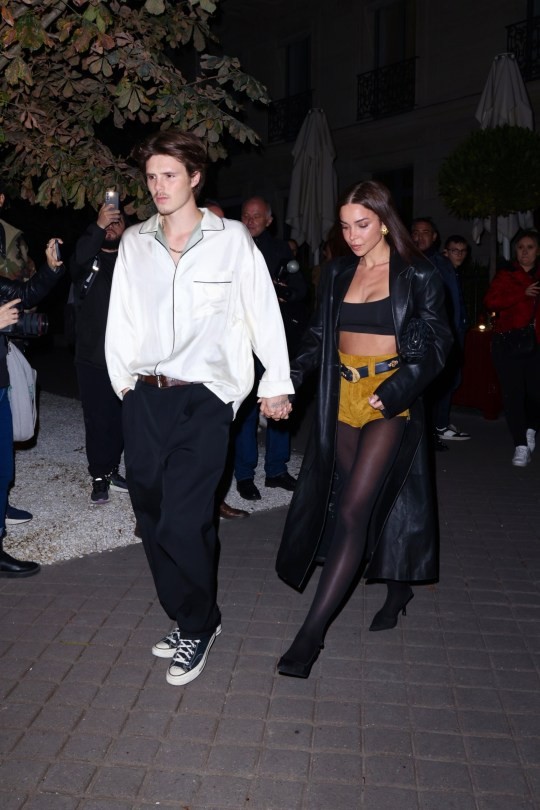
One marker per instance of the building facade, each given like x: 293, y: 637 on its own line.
x: 399, y: 81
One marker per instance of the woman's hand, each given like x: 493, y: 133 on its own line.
x: 533, y: 289
x: 375, y: 402
x: 275, y: 407
x: 50, y: 254
x: 9, y: 313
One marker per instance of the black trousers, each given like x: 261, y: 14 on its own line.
x: 175, y: 449
x: 102, y: 412
x: 520, y: 383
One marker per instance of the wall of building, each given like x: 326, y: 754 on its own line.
x: 455, y: 46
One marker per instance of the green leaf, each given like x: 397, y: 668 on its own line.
x: 156, y: 7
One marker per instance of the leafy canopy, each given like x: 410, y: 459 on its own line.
x: 80, y: 75
x: 493, y: 172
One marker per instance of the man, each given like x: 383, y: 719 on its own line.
x: 191, y: 301
x: 291, y: 290
x: 17, y: 265
x: 92, y: 268
x: 456, y: 248
x: 426, y: 237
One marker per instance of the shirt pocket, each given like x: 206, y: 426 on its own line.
x: 211, y: 297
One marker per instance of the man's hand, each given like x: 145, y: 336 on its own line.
x: 107, y: 214
x: 275, y: 407
x: 9, y: 313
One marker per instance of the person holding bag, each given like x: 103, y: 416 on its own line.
x: 16, y: 296
x: 513, y: 296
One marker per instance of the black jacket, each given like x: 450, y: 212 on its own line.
x: 403, y: 536
x: 92, y: 310
x: 30, y: 292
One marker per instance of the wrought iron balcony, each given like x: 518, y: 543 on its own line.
x: 523, y: 39
x: 387, y: 90
x: 285, y: 117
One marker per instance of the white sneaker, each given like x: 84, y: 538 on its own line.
x: 531, y: 439
x: 522, y: 456
x: 452, y: 433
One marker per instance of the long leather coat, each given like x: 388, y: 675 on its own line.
x: 403, y: 535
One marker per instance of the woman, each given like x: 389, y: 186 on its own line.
x: 513, y: 295
x: 369, y: 425
x: 17, y: 295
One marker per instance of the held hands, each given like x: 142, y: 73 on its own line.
x: 275, y: 407
x: 9, y: 313
x: 50, y: 254
x: 107, y: 214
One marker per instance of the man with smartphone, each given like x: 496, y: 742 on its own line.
x: 191, y: 302
x: 92, y: 268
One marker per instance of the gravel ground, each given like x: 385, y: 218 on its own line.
x: 52, y: 482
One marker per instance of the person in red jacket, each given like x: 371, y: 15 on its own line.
x: 513, y: 296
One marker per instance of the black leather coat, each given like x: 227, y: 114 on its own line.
x: 403, y: 536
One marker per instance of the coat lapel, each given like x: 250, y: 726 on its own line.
x: 400, y: 287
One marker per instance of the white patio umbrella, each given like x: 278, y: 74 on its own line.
x: 504, y: 100
x: 312, y: 195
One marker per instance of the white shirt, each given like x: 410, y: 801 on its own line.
x: 199, y: 320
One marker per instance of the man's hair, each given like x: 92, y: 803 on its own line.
x: 376, y: 196
x: 185, y: 147
x: 258, y: 197
x: 456, y: 237
x: 427, y: 220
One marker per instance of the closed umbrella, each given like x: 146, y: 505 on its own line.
x: 312, y: 195
x: 504, y: 101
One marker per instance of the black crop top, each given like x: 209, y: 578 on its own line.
x: 373, y: 318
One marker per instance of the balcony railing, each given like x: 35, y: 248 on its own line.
x: 386, y: 91
x: 285, y: 117
x: 523, y: 39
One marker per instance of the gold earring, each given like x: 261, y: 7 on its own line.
x: 384, y: 230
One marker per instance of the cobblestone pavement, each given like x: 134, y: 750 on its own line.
x: 442, y: 713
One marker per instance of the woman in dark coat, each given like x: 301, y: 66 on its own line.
x: 369, y: 428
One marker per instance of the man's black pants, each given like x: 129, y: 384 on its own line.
x: 102, y: 412
x: 175, y: 448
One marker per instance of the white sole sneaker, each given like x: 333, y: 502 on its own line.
x: 187, y: 675
x: 522, y: 456
x: 531, y: 440
x: 166, y: 647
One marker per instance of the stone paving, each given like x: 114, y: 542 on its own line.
x: 442, y: 713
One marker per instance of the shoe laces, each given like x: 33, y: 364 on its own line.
x: 174, y: 638
x: 184, y: 652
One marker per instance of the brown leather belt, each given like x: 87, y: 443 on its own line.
x: 161, y: 381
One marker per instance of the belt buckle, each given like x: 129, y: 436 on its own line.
x: 159, y: 383
x: 393, y: 363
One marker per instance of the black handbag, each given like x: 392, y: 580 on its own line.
x: 517, y: 342
x: 415, y: 340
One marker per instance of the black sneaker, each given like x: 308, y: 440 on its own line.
x: 166, y: 647
x: 117, y: 482
x: 100, y: 491
x: 15, y: 516
x: 189, y: 659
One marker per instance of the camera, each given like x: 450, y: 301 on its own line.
x: 29, y: 324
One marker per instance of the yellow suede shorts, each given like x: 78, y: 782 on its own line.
x: 354, y: 407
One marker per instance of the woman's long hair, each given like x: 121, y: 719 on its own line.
x: 374, y: 195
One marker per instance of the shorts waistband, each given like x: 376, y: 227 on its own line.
x: 353, y: 374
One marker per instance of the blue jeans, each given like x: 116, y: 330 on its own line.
x: 6, y: 454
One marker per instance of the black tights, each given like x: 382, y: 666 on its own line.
x: 364, y: 457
